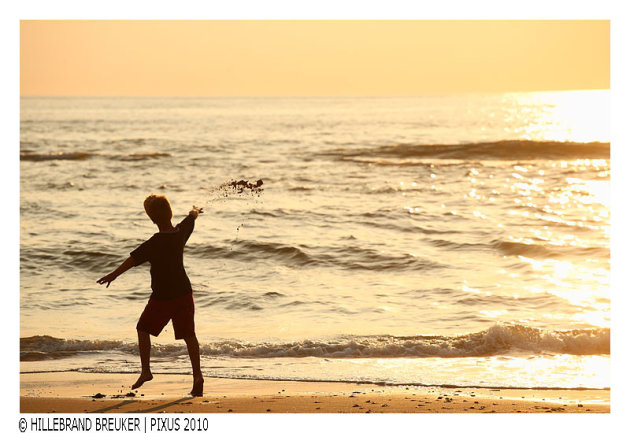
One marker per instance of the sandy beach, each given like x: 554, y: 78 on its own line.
x: 109, y: 393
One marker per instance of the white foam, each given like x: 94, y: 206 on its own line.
x: 497, y: 340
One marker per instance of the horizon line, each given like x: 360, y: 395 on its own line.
x: 392, y: 95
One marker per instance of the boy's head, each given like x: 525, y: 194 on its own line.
x: 158, y: 208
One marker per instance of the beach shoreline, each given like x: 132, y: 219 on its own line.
x: 75, y: 392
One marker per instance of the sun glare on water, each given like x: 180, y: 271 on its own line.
x: 575, y: 116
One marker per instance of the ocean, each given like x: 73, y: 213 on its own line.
x: 456, y: 240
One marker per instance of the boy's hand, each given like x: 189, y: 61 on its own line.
x: 196, y: 211
x: 107, y: 279
x: 124, y: 266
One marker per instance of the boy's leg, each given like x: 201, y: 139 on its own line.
x: 184, y: 326
x: 193, y: 351
x: 144, y: 346
x: 153, y: 319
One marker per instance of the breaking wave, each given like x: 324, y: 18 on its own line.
x: 497, y: 340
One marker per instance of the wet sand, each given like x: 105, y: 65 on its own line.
x: 81, y: 393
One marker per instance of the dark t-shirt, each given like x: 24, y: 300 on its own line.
x: 165, y: 252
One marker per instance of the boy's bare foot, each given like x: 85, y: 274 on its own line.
x: 197, y: 389
x: 144, y: 377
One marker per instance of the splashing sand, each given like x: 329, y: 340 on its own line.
x: 235, y: 188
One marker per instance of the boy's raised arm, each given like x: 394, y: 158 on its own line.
x: 126, y: 265
x: 195, y: 211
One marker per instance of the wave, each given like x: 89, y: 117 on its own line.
x: 71, y: 259
x: 349, y: 257
x: 80, y: 156
x: 496, y: 150
x: 532, y: 250
x: 346, y: 257
x: 72, y: 156
x: 455, y: 246
x: 273, y: 213
x: 498, y: 340
x: 253, y: 251
x: 547, y: 251
x: 140, y: 156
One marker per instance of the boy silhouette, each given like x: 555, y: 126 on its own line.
x: 171, y: 297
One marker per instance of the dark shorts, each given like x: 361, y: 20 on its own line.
x: 157, y: 313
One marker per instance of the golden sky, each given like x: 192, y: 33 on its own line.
x: 252, y: 58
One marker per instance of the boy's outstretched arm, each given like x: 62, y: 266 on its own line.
x: 126, y: 265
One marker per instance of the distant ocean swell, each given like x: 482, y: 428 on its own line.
x: 79, y: 156
x: 496, y: 150
x: 497, y: 340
